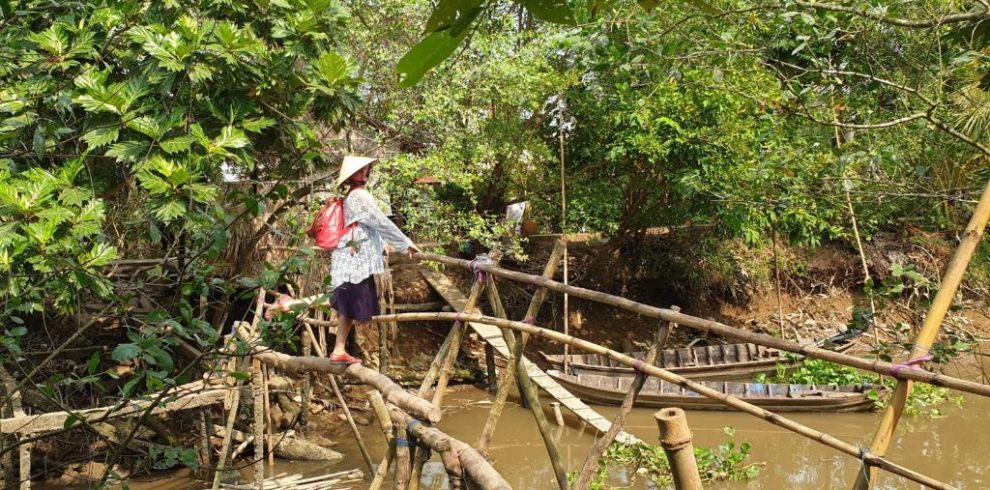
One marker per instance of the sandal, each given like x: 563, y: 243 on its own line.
x: 344, y: 358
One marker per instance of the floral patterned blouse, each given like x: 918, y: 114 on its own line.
x: 373, y: 227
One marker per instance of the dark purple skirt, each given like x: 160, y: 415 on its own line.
x: 356, y: 301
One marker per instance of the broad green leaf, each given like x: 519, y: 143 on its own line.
x: 147, y: 126
x: 428, y: 53
x: 101, y: 136
x: 556, y: 11
x: 230, y: 137
x: 257, y: 125
x: 70, y: 421
x: 125, y: 352
x: 453, y: 15
x: 177, y: 144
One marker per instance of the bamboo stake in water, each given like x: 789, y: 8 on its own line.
x: 602, y: 444
x: 508, y: 374
x: 929, y: 329
x: 675, y: 437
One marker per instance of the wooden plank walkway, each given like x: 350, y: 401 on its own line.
x: 493, y: 335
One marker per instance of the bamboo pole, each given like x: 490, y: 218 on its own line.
x: 694, y: 386
x: 509, y: 374
x: 711, y: 326
x: 205, y: 448
x: 602, y: 444
x: 402, y: 473
x: 532, y: 397
x: 268, y: 415
x: 675, y: 437
x: 257, y: 388
x: 350, y: 421
x: 381, y: 413
x: 478, y: 469
x: 557, y: 415
x: 229, y: 426
x: 385, y: 421
x: 457, y: 336
x: 929, y: 329
x: 24, y: 456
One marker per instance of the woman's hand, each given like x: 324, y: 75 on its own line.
x: 412, y: 250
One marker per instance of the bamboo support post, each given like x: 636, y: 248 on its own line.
x: 419, y: 456
x: 490, y: 368
x: 381, y: 413
x: 452, y: 465
x: 457, y: 336
x: 205, y: 448
x: 24, y: 455
x: 929, y: 330
x: 257, y: 388
x: 229, y: 426
x: 476, y: 467
x: 531, y: 395
x: 557, y: 416
x: 268, y: 415
x: 305, y: 391
x: 694, y: 386
x: 509, y: 373
x: 602, y: 444
x: 713, y: 327
x: 402, y: 468
x: 675, y: 437
x: 350, y: 421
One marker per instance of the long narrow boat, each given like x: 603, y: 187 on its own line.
x: 712, y: 362
x: 611, y: 390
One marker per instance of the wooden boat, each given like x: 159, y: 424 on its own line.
x: 611, y: 390
x: 713, y: 362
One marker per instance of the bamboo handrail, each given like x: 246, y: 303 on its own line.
x: 773, y: 418
x: 876, y: 366
x: 929, y: 329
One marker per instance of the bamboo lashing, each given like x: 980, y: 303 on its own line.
x: 929, y: 329
x: 694, y: 386
x: 711, y: 326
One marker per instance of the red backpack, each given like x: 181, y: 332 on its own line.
x: 328, y: 227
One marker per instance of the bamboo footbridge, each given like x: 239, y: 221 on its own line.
x: 409, y: 419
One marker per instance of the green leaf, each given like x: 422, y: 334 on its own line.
x: 125, y: 352
x: 240, y: 375
x: 556, y: 11
x: 230, y: 137
x: 453, y: 16
x: 100, y: 137
x: 93, y: 364
x: 428, y: 53
x: 258, y: 124
x: 705, y: 7
x: 70, y: 421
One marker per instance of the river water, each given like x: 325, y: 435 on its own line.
x: 953, y: 448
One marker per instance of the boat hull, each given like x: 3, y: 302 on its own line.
x: 608, y: 390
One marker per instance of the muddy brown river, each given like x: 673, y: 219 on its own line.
x: 952, y: 448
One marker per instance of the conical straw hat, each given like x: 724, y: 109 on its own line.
x: 351, y: 165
